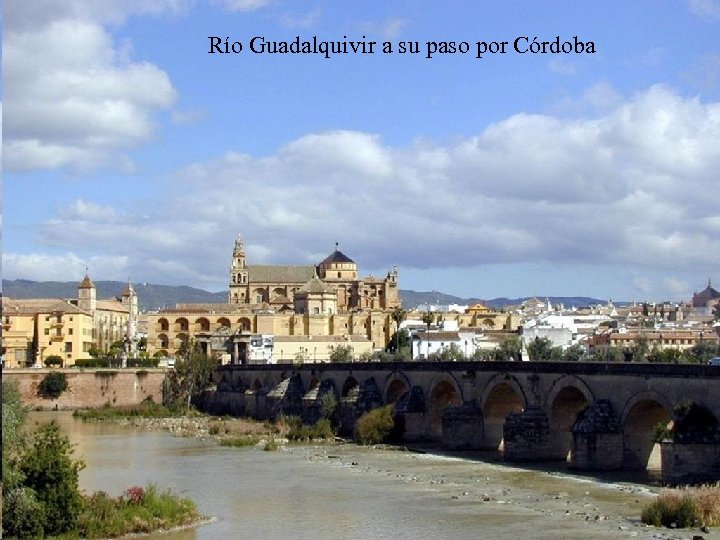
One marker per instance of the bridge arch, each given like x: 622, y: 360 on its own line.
x: 502, y: 395
x: 568, y: 397
x: 444, y: 392
x: 348, y: 386
x: 641, y: 414
x: 396, y: 384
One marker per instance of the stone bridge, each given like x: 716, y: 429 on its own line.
x: 597, y: 416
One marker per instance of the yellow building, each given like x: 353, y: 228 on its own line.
x: 34, y: 329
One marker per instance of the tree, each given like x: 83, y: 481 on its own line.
x: 640, y: 349
x: 509, y: 349
x: 53, y: 385
x: 608, y: 354
x: 428, y: 319
x: 341, y: 353
x: 398, y: 315
x: 400, y: 344
x: 574, y: 353
x: 192, y: 374
x: 13, y: 439
x: 541, y: 349
x: 50, y: 471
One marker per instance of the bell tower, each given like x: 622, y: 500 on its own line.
x: 238, y: 274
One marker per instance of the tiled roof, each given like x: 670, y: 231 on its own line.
x: 438, y: 336
x: 337, y: 256
x: 86, y: 283
x: 316, y: 286
x: 258, y: 274
x: 38, y: 305
x: 111, y: 305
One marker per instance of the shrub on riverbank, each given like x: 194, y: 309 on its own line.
x: 146, y: 409
x: 375, y: 426
x: 297, y: 431
x: 138, y: 510
x: 684, y: 507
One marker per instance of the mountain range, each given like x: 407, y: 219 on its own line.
x: 152, y: 297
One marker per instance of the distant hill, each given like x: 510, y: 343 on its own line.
x: 158, y: 296
x: 150, y: 296
x: 412, y: 299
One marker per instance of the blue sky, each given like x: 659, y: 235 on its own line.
x: 129, y: 149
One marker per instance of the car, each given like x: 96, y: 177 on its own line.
x: 715, y: 361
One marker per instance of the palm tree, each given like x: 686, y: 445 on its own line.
x: 398, y: 315
x: 428, y: 319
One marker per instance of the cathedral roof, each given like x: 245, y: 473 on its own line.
x: 337, y: 256
x: 316, y: 286
x: 280, y: 274
x: 705, y: 295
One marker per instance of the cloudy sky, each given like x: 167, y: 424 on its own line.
x: 128, y: 148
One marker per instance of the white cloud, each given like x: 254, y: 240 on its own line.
x: 387, y: 29
x: 633, y: 188
x: 302, y: 20
x: 705, y: 8
x: 23, y: 15
x: 64, y: 267
x: 72, y: 98
x: 242, y: 5
x: 563, y: 67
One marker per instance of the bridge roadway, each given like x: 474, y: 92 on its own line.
x: 595, y: 415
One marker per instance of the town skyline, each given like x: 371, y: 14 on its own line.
x: 130, y: 150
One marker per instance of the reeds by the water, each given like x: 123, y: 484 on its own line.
x: 685, y: 507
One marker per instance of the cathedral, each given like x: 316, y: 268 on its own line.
x: 278, y: 285
x: 284, y: 313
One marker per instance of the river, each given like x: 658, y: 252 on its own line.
x: 350, y: 492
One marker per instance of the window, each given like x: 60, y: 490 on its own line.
x: 68, y: 346
x: 339, y: 274
x: 70, y: 331
x: 47, y: 331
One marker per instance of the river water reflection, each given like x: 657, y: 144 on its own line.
x: 348, y: 492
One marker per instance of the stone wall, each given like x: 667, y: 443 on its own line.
x: 692, y: 463
x: 89, y: 389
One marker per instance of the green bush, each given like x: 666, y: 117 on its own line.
x: 54, y: 360
x: 143, y: 362
x: 23, y: 515
x: 50, y: 471
x: 53, y: 385
x: 375, y: 426
x: 92, y: 362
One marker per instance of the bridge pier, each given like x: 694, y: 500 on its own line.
x: 597, y: 439
x: 526, y: 435
x: 463, y: 427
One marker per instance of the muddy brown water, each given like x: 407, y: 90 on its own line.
x: 350, y: 492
